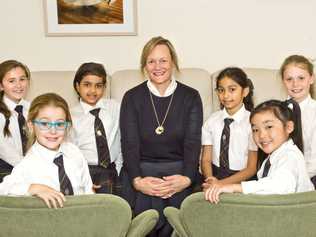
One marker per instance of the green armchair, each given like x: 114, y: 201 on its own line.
x: 239, y: 215
x: 87, y: 215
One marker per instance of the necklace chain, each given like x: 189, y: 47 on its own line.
x: 167, y: 111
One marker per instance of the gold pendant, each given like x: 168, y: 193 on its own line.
x: 159, y: 130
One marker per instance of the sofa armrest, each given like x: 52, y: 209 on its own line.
x: 143, y: 223
x: 173, y: 217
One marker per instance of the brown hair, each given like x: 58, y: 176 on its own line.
x: 41, y: 101
x: 301, y: 62
x: 5, y: 67
x: 150, y: 45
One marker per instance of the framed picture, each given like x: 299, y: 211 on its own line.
x: 90, y: 17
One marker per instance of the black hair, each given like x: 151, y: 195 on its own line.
x: 241, y: 78
x: 91, y: 68
x: 285, y: 111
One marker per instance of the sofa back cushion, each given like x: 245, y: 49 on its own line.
x: 199, y: 79
x: 267, y: 85
x: 60, y: 82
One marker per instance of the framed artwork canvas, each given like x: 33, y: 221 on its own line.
x: 90, y: 17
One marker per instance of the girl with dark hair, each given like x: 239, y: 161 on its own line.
x: 14, y: 82
x: 277, y: 131
x: 229, y: 154
x: 96, y: 128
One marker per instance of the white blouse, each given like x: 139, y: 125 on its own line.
x: 38, y: 168
x: 11, y: 146
x: 240, y: 142
x: 83, y: 134
x: 287, y: 173
x: 308, y: 114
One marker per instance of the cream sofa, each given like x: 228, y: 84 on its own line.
x: 267, y: 84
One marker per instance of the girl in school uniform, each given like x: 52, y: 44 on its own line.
x: 297, y: 74
x: 52, y: 167
x: 96, y: 128
x: 276, y: 128
x: 229, y: 154
x: 14, y: 83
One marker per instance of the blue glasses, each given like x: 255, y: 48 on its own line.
x: 45, y: 125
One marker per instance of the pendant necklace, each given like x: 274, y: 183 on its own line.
x: 160, y: 129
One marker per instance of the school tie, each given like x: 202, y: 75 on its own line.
x: 22, y: 126
x: 64, y: 182
x: 266, y: 168
x: 101, y: 141
x: 223, y: 156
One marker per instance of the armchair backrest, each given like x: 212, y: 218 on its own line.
x: 240, y: 215
x: 87, y: 215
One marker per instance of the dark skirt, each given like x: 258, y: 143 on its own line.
x: 107, y: 178
x: 141, y: 202
x: 222, y: 173
x: 5, y: 169
x: 313, y: 179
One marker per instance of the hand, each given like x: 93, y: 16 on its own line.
x: 148, y: 185
x: 175, y: 183
x: 95, y: 187
x: 210, y: 181
x: 50, y: 196
x: 213, y: 192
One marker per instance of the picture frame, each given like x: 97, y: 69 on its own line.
x: 90, y: 17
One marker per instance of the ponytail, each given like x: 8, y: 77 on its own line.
x: 296, y: 135
x: 248, y: 101
x: 6, y: 113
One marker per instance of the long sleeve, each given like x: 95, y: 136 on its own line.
x: 192, y: 137
x: 287, y: 173
x: 17, y: 183
x: 130, y: 137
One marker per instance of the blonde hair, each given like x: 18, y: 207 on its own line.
x: 150, y: 45
x: 41, y: 101
x: 301, y: 62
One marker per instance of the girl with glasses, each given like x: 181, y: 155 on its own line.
x: 52, y: 167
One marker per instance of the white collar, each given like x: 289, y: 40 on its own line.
x: 46, y: 153
x: 87, y: 108
x: 280, y: 149
x: 11, y: 104
x: 170, y: 89
x: 305, y: 101
x: 238, y: 116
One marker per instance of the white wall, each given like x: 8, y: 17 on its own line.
x: 210, y: 34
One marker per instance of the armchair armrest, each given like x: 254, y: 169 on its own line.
x: 143, y: 223
x: 173, y: 216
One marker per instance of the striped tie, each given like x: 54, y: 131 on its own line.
x: 64, y: 182
x: 266, y: 168
x: 22, y: 124
x: 223, y: 156
x: 101, y: 141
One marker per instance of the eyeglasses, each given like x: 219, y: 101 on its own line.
x: 45, y: 125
